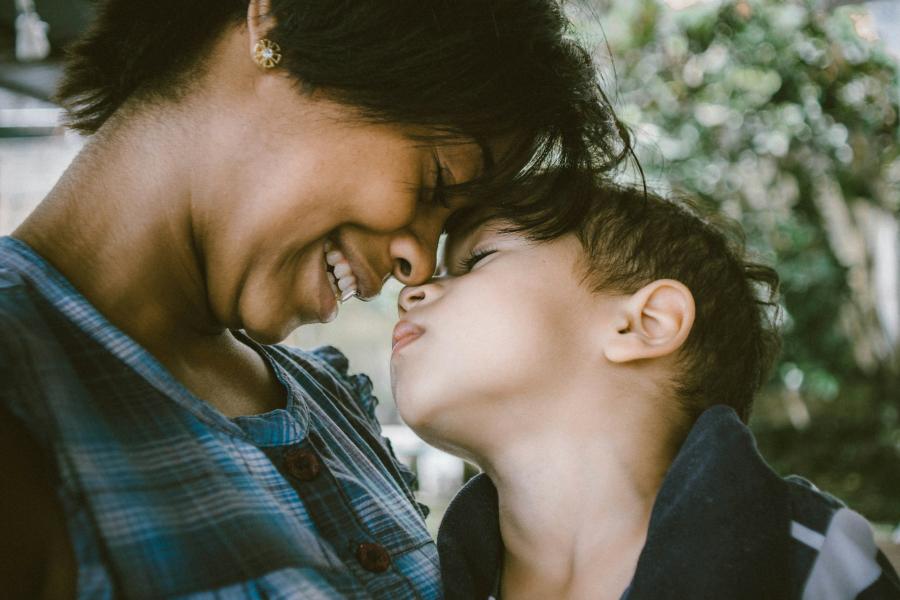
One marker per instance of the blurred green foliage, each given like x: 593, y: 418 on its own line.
x: 781, y: 115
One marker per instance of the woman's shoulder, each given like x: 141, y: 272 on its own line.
x: 24, y: 314
x: 30, y: 511
x: 25, y: 319
x: 25, y: 334
x: 32, y: 519
x: 14, y: 300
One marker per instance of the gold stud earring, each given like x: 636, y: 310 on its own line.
x: 267, y: 53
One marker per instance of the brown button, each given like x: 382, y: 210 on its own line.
x: 302, y: 463
x: 373, y: 557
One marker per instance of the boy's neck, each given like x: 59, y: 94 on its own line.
x: 575, y: 501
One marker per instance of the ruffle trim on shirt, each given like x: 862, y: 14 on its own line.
x: 359, y: 385
x: 409, y: 478
x: 360, y: 388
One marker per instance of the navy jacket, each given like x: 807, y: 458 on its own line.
x: 724, y: 526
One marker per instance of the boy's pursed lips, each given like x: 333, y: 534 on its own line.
x: 405, y: 333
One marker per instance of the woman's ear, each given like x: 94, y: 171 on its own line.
x: 654, y: 321
x: 259, y: 20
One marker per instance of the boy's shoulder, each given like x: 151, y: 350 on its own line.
x: 755, y: 533
x: 809, y: 504
x: 833, y: 552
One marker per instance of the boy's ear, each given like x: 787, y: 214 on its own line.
x: 654, y: 321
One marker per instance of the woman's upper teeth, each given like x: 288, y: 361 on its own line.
x: 341, y: 270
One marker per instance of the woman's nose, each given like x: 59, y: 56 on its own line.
x: 414, y: 259
x: 413, y: 252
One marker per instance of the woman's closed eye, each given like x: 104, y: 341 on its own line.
x: 439, y: 191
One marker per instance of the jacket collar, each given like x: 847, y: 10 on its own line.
x: 718, y: 529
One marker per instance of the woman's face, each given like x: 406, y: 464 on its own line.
x: 296, y: 173
x: 487, y: 346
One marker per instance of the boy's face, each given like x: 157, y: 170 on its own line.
x: 486, y: 346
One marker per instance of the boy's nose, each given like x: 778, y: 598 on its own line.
x: 409, y: 297
x: 413, y: 295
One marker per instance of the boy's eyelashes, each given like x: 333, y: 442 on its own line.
x: 470, y: 260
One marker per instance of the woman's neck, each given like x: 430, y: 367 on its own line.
x: 118, y: 226
x: 575, y: 504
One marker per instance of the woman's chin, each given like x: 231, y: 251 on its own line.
x: 269, y: 331
x: 275, y: 328
x: 328, y: 306
x: 266, y: 336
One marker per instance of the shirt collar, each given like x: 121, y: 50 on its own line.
x: 277, y: 427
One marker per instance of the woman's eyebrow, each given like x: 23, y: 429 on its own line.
x: 487, y: 156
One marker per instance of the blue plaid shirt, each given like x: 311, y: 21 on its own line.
x: 164, y: 496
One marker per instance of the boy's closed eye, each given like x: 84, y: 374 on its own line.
x: 468, y: 261
x: 462, y: 253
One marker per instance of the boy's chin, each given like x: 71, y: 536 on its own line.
x: 438, y: 425
x: 420, y: 416
x: 413, y: 413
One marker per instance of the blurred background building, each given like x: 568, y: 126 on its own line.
x: 784, y: 115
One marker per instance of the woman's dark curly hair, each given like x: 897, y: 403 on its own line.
x: 466, y: 69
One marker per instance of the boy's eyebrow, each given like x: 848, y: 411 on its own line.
x: 464, y: 221
x: 451, y: 250
x: 456, y: 242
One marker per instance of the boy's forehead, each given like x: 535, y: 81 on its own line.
x: 461, y: 241
x: 465, y: 223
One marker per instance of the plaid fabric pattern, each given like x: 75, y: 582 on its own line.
x: 166, y: 497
